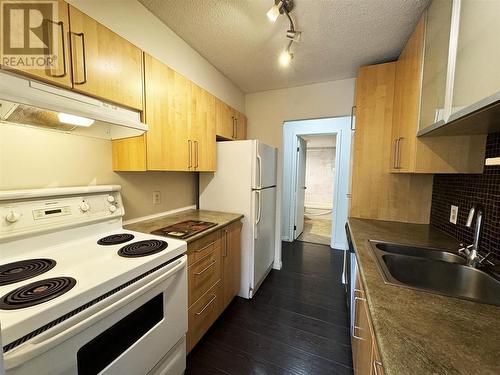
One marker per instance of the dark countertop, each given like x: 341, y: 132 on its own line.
x: 221, y: 218
x: 418, y: 332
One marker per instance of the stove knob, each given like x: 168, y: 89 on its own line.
x: 12, y: 216
x: 111, y: 199
x: 84, y: 206
x: 112, y: 209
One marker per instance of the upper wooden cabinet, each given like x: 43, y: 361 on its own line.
x: 181, y: 120
x: 104, y: 64
x: 230, y: 124
x: 60, y: 72
x: 167, y: 94
x: 409, y: 154
x: 241, y: 126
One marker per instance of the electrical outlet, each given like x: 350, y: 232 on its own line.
x: 453, y: 214
x: 156, y: 197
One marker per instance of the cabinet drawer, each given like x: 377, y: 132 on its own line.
x: 203, y: 275
x: 203, y: 314
x: 202, y: 247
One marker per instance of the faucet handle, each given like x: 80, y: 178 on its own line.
x: 464, y: 250
x: 485, y: 259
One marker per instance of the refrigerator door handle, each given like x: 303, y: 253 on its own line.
x: 259, y: 162
x: 259, y: 211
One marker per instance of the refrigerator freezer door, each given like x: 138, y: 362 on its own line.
x: 264, y: 170
x: 264, y: 224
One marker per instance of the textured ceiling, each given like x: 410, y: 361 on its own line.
x: 338, y: 36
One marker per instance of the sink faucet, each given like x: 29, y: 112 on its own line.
x: 471, y: 252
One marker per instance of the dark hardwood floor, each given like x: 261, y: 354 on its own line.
x: 296, y: 324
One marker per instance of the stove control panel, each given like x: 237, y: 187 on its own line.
x: 19, y: 217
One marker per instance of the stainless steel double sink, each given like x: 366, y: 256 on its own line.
x: 435, y: 271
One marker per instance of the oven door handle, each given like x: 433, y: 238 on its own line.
x: 39, y: 345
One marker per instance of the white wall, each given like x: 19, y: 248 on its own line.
x: 267, y: 110
x: 138, y: 25
x: 320, y: 168
x: 33, y: 158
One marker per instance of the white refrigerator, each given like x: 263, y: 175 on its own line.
x: 245, y: 182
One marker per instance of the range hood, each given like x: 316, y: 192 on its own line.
x: 28, y: 102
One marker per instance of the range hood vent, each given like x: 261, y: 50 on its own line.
x: 28, y: 102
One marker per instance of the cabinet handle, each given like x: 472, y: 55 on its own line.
x: 65, y: 72
x: 353, y: 123
x: 354, y: 334
x: 232, y: 118
x: 190, y: 163
x: 203, y: 248
x: 82, y: 35
x: 206, y: 306
x: 397, y: 157
x: 205, y: 269
x: 376, y: 364
x: 236, y: 128
x: 196, y: 154
x: 395, y: 162
x: 225, y: 243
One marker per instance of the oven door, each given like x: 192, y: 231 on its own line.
x: 139, y: 332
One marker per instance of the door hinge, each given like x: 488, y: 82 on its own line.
x: 294, y: 227
x: 298, y: 149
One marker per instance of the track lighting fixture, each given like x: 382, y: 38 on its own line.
x: 285, y: 7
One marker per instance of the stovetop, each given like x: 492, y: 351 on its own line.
x: 78, y: 271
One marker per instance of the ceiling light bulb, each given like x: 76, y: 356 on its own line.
x: 74, y: 120
x: 285, y: 58
x: 274, y: 12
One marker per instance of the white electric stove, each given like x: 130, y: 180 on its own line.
x: 81, y: 295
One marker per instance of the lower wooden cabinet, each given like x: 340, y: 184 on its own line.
x: 231, y: 261
x: 213, y: 278
x: 365, y: 355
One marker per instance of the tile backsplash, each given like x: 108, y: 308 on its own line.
x: 465, y: 190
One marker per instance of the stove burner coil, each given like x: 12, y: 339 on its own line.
x: 25, y: 269
x: 115, y: 239
x: 142, y: 248
x: 36, y: 292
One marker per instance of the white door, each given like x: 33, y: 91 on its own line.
x: 264, y: 234
x: 300, y: 187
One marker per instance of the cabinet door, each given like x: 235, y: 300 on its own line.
x: 167, y: 99
x: 57, y: 30
x: 104, y: 64
x: 362, y: 339
x: 231, y: 260
x: 225, y: 123
x: 477, y: 73
x: 241, y: 126
x: 202, y: 129
x: 406, y: 101
x: 437, y: 38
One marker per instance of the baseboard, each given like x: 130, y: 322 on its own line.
x: 159, y: 214
x: 277, y: 265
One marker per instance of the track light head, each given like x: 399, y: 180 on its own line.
x: 279, y: 7
x: 285, y: 58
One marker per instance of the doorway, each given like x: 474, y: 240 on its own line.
x: 317, y: 215
x: 315, y: 184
